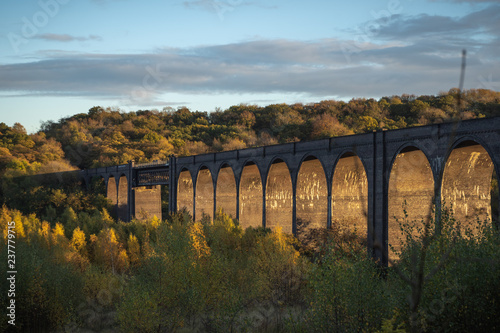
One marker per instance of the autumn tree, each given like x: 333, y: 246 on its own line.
x: 326, y: 125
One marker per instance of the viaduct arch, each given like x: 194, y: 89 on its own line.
x: 361, y: 182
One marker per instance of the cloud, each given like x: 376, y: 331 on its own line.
x: 66, y: 37
x: 479, y: 23
x: 409, y: 55
x: 222, y: 6
x: 218, y: 6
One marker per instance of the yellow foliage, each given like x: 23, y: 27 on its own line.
x: 134, y: 250
x: 5, y: 218
x: 78, y: 240
x: 44, y: 233
x: 122, y: 261
x: 280, y: 239
x: 58, y: 234
x: 198, y: 241
x: 108, y: 251
x: 106, y: 218
x: 19, y: 229
x: 155, y: 222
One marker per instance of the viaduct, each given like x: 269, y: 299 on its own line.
x: 366, y: 181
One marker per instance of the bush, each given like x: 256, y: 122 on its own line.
x: 348, y: 294
x: 448, y: 279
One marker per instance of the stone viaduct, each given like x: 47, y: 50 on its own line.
x: 365, y: 182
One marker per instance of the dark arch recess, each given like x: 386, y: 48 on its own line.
x: 185, y: 191
x: 122, y: 206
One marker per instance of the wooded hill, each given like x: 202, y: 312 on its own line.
x: 106, y: 136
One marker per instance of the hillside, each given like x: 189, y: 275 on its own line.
x: 104, y: 137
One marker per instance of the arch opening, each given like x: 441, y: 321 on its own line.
x: 204, y: 204
x: 122, y: 206
x: 250, y: 197
x: 112, y: 195
x: 411, y: 195
x: 467, y: 184
x: 148, y: 202
x: 350, y: 196
x: 185, y: 191
x: 495, y: 214
x: 311, y: 199
x: 97, y: 185
x: 279, y: 197
x: 226, y: 191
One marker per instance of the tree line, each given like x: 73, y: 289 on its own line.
x: 106, y: 136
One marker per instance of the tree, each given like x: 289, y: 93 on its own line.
x: 78, y: 242
x: 326, y: 125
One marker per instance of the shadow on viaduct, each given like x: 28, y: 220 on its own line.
x: 366, y: 181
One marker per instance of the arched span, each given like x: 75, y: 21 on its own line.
x: 112, y: 194
x: 279, y: 197
x: 204, y: 204
x: 226, y: 190
x: 98, y: 185
x: 185, y: 191
x: 350, y: 195
x: 250, y: 196
x: 311, y: 197
x: 410, y: 194
x: 466, y: 183
x: 122, y: 207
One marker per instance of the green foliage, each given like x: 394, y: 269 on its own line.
x: 208, y: 277
x: 214, y: 276
x: 48, y: 291
x: 348, y: 294
x: 447, y: 279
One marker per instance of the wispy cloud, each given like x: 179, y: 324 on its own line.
x: 222, y: 6
x: 479, y: 23
x: 66, y: 37
x: 409, y: 55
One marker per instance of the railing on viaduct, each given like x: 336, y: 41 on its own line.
x: 366, y: 181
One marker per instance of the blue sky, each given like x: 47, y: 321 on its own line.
x: 62, y: 57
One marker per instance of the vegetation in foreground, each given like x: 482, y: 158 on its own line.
x: 90, y: 272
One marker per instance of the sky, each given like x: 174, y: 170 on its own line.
x: 62, y: 57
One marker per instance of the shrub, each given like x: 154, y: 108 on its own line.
x: 348, y: 294
x: 447, y: 279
